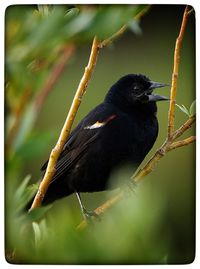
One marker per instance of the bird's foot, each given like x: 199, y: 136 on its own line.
x: 86, y: 214
x: 89, y: 214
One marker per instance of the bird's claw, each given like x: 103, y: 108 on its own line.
x: 89, y: 214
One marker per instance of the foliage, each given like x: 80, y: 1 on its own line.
x: 189, y: 112
x: 54, y: 239
x: 36, y: 36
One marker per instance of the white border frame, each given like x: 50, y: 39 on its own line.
x: 3, y: 5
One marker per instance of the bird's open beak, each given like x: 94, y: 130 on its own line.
x: 154, y: 97
x: 155, y: 85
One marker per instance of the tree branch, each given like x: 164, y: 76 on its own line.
x: 55, y: 153
x: 182, y: 143
x: 123, y: 29
x: 171, y: 112
x: 184, y: 127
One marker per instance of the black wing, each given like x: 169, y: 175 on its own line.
x: 82, y: 137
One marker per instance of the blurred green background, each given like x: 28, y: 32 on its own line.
x: 154, y: 225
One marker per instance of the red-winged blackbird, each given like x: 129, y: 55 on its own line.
x: 120, y: 130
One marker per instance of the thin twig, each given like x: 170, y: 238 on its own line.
x: 123, y: 29
x: 114, y: 36
x: 151, y: 164
x: 55, y: 153
x: 171, y: 112
x: 184, y: 127
x: 182, y: 143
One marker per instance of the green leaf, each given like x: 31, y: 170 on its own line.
x: 79, y: 23
x: 47, y: 29
x: 20, y: 191
x: 71, y: 13
x: 37, y: 232
x: 193, y: 108
x: 24, y: 193
x: 103, y: 21
x: 40, y: 231
x: 38, y: 213
x: 45, y: 10
x: 110, y: 19
x: 183, y: 109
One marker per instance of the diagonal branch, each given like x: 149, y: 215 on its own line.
x: 182, y: 143
x: 55, y: 153
x: 184, y: 127
x: 123, y: 29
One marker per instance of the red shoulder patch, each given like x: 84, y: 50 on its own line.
x: 110, y: 118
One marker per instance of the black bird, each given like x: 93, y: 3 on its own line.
x: 122, y: 129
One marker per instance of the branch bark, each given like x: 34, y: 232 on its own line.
x: 55, y: 153
x: 184, y: 127
x: 182, y: 143
x: 171, y: 113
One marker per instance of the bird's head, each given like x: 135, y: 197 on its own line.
x: 133, y: 90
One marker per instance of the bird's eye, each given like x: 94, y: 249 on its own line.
x: 136, y: 88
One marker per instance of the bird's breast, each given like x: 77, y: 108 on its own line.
x: 144, y: 136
